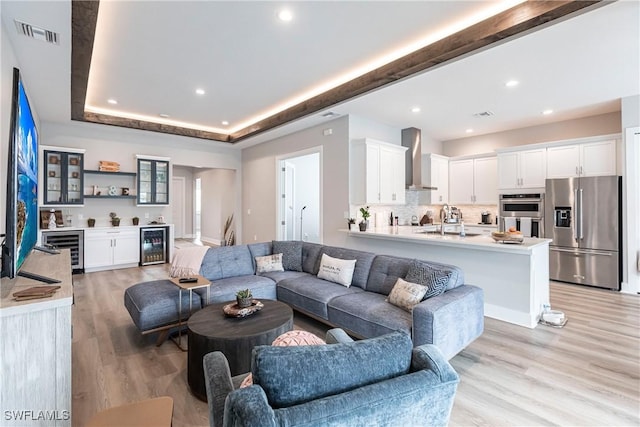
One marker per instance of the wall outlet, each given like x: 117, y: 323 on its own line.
x: 255, y: 237
x: 248, y: 211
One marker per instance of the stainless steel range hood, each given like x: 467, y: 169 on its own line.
x: 412, y: 139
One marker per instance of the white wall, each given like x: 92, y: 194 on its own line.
x: 218, y: 187
x: 603, y: 124
x: 259, y: 193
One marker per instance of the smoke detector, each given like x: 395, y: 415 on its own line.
x: 37, y: 32
x: 483, y: 114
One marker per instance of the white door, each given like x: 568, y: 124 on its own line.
x: 126, y: 247
x: 563, y: 162
x: 178, y: 207
x: 461, y: 181
x: 486, y: 181
x: 98, y: 249
x: 598, y: 158
x: 508, y: 170
x: 533, y: 168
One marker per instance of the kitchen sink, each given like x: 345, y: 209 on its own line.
x: 447, y: 233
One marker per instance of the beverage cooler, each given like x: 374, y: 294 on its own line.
x: 153, y: 245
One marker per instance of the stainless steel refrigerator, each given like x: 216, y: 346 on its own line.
x: 583, y: 217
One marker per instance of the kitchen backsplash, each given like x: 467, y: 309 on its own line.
x: 100, y: 210
x: 471, y: 214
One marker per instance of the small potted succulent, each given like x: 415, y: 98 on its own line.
x: 115, y: 221
x: 244, y: 298
x: 365, y: 218
x: 135, y: 220
x: 351, y: 223
x: 91, y: 222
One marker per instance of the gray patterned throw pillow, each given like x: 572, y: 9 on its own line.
x: 422, y: 273
x: 291, y: 254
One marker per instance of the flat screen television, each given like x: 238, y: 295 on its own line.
x: 22, y: 186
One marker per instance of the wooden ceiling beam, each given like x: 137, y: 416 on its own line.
x: 514, y: 22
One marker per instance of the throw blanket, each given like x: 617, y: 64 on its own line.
x: 187, y: 261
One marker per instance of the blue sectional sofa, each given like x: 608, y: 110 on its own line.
x: 451, y: 320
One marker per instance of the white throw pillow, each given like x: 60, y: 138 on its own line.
x: 269, y: 263
x: 406, y: 294
x: 336, y: 270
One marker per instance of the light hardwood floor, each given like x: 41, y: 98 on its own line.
x: 587, y: 373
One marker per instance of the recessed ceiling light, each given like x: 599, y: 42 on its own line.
x: 285, y: 15
x: 200, y: 91
x: 225, y: 123
x: 415, y: 110
x: 112, y: 101
x: 469, y: 130
x: 512, y: 83
x: 547, y: 112
x: 164, y: 115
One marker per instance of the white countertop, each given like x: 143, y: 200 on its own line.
x: 109, y: 227
x: 481, y: 242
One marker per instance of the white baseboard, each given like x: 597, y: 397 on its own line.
x: 211, y: 240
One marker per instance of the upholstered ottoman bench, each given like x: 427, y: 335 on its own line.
x: 153, y: 306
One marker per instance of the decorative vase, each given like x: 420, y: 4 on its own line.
x: 363, y: 226
x: 243, y: 302
x: 91, y: 222
x: 115, y: 222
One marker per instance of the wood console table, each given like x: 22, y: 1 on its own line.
x: 35, y: 347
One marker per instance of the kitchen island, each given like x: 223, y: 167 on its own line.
x: 514, y: 277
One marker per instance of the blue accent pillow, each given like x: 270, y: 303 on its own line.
x: 291, y: 254
x: 434, y: 279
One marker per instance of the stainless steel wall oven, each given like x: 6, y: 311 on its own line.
x: 519, y: 208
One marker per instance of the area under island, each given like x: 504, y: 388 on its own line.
x: 514, y: 277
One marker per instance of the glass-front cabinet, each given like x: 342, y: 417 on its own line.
x: 153, y: 182
x: 63, y: 178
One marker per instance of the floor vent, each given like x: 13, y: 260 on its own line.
x: 37, y: 33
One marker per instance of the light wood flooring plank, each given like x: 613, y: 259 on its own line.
x: 587, y: 373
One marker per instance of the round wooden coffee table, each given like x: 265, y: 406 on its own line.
x: 210, y: 330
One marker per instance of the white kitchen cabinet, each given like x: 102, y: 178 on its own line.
x: 435, y: 174
x: 473, y: 181
x: 111, y: 248
x: 376, y: 172
x: 586, y: 159
x: 522, y: 169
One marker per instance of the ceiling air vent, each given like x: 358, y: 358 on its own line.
x: 37, y: 33
x: 330, y: 114
x: 483, y: 114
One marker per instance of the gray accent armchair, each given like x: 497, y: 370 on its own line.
x: 378, y: 381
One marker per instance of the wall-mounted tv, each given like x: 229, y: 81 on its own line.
x: 22, y: 185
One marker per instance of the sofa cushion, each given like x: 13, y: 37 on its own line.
x: 310, y: 294
x: 278, y: 276
x: 311, y: 253
x: 291, y: 254
x: 385, y: 271
x: 225, y: 289
x: 336, y: 270
x: 154, y: 304
x: 294, y: 375
x: 227, y: 261
x: 259, y: 249
x: 363, y: 264
x: 406, y: 294
x: 368, y: 314
x: 434, y: 279
x: 269, y: 263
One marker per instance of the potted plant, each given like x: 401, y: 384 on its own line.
x: 244, y: 298
x: 351, y: 222
x: 91, y: 222
x: 115, y: 221
x: 365, y: 218
x: 135, y: 220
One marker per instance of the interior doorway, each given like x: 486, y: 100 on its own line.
x: 300, y: 196
x: 178, y: 206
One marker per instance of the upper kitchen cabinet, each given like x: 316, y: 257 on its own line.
x: 435, y: 175
x: 473, y: 181
x: 586, y: 159
x: 376, y: 172
x: 63, y: 178
x: 522, y: 169
x: 153, y: 181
